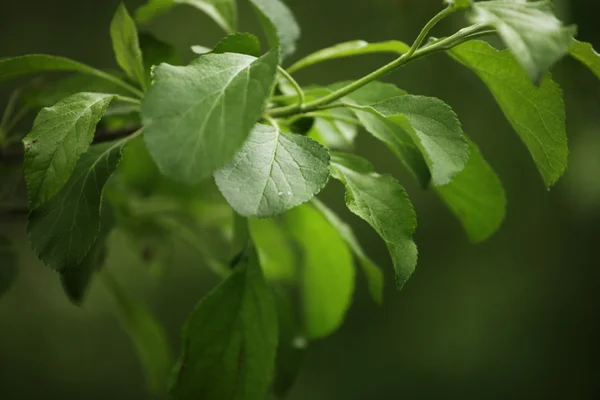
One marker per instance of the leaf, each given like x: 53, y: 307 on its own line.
x: 223, y: 12
x: 147, y: 335
x: 434, y: 129
x: 197, y: 117
x: 156, y: 51
x: 63, y: 230
x: 529, y: 29
x: 349, y: 49
x: 327, y: 282
x: 242, y: 43
x: 536, y: 113
x: 273, y: 172
x: 476, y: 196
x: 382, y: 202
x: 275, y: 252
x: 585, y: 53
x: 334, y: 132
x: 14, y: 67
x: 126, y: 45
x: 60, y: 135
x: 371, y: 270
x: 8, y: 265
x: 279, y: 24
x: 230, y: 340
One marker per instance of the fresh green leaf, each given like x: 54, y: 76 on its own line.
x: 273, y: 172
x: 334, y: 129
x: 197, y: 117
x: 371, y: 270
x: 350, y: 49
x: 242, y: 43
x: 476, y: 196
x: 327, y: 282
x: 529, y: 29
x: 382, y: 202
x: 279, y: 24
x: 156, y: 51
x: 536, y: 113
x: 14, y: 67
x: 147, y: 335
x: 63, y: 230
x: 230, y: 340
x: 8, y: 265
x: 223, y: 12
x: 60, y: 135
x: 126, y: 45
x: 275, y: 252
x: 434, y: 129
x: 585, y: 53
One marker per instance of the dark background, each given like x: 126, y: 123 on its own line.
x: 515, y: 317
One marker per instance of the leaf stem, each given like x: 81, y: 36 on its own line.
x: 108, y: 77
x: 425, y: 31
x: 126, y: 99
x: 295, y: 85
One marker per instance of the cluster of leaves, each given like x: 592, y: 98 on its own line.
x: 232, y: 114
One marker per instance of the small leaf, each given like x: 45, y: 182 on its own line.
x: 275, y: 252
x: 60, y: 135
x: 63, y: 230
x: 536, y: 113
x: 371, y: 270
x: 585, y: 53
x: 273, y: 172
x: 14, y: 67
x: 382, y: 202
x: 333, y: 131
x: 197, y: 117
x: 229, y: 342
x: 476, y: 196
x: 126, y: 45
x: 327, y: 282
x: 147, y: 335
x: 242, y: 43
x: 529, y: 29
x: 350, y: 49
x: 279, y: 24
x: 8, y: 265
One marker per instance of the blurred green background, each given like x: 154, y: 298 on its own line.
x: 515, y: 317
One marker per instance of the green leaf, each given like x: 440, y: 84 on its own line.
x: 536, y: 113
x: 230, y: 340
x: 585, y: 53
x: 333, y: 130
x: 197, y: 117
x: 60, y: 135
x: 242, y: 43
x: 371, y: 270
x: 146, y: 333
x: 273, y: 172
x: 433, y: 128
x: 14, y: 67
x: 476, y: 196
x: 156, y: 51
x: 327, y: 281
x: 63, y: 230
x: 275, y: 252
x: 382, y: 202
x: 8, y: 265
x: 279, y: 24
x: 529, y: 29
x: 126, y: 45
x: 349, y: 49
x: 223, y: 12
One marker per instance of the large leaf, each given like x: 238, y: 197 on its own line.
x: 8, y: 265
x: 476, y: 196
x: 230, y: 340
x: 63, y: 230
x: 349, y: 49
x: 383, y: 203
x: 530, y: 29
x: 536, y: 113
x: 223, y: 12
x: 327, y: 282
x: 146, y: 333
x: 585, y: 53
x: 275, y: 252
x: 273, y: 172
x: 372, y: 272
x: 279, y: 24
x: 197, y: 117
x: 126, y: 45
x: 14, y: 67
x: 60, y: 135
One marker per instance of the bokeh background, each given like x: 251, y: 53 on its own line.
x: 517, y: 316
